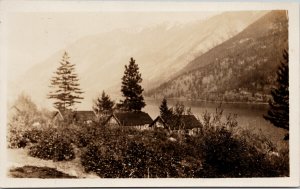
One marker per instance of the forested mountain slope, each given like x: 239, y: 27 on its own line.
x: 158, y: 50
x: 242, y: 68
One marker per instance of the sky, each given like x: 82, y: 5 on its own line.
x: 32, y: 37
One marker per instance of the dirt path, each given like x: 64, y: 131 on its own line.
x: 19, y: 158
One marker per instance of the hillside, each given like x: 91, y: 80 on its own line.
x: 159, y: 50
x: 240, y: 69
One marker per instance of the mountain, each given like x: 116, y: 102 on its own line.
x: 159, y: 50
x: 242, y: 68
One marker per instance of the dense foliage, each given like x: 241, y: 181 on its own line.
x: 278, y: 113
x: 131, y: 88
x: 53, y: 145
x: 65, y: 85
x: 221, y: 149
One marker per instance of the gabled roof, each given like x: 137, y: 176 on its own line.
x: 132, y: 118
x: 187, y: 121
x: 15, y: 108
x: 84, y: 115
x: 78, y: 115
x: 56, y: 113
x: 158, y: 119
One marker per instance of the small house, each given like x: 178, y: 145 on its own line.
x: 77, y: 116
x: 87, y: 117
x: 159, y: 122
x: 190, y: 124
x: 185, y: 123
x: 13, y: 113
x: 56, y: 116
x: 138, y: 120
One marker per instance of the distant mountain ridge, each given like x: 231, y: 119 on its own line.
x: 159, y: 51
x: 242, y: 69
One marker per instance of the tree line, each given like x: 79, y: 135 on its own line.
x: 66, y: 92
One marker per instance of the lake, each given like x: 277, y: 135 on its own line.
x: 249, y: 116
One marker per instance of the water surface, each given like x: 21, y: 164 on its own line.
x: 249, y: 116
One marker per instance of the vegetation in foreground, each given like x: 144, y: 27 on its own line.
x: 219, y: 150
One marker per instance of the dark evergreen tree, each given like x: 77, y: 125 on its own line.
x: 65, y: 86
x: 131, y: 88
x: 103, y: 105
x: 165, y: 112
x: 278, y: 113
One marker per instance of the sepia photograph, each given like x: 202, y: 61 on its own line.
x: 144, y: 93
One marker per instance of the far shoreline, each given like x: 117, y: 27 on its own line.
x: 206, y: 101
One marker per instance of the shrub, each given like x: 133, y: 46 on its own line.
x: 230, y: 152
x: 18, y: 138
x: 15, y: 138
x: 104, y: 164
x: 120, y: 154
x: 219, y: 150
x: 53, y: 146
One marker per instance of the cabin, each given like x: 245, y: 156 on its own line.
x: 187, y: 124
x: 56, y: 116
x: 13, y: 113
x: 86, y: 117
x: 159, y: 122
x: 190, y: 124
x: 22, y: 115
x: 137, y: 120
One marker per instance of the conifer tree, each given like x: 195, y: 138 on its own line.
x: 165, y: 112
x: 278, y: 113
x: 131, y: 88
x: 103, y: 105
x: 65, y: 86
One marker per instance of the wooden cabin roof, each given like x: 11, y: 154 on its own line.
x: 84, y: 115
x: 132, y: 118
x: 187, y: 121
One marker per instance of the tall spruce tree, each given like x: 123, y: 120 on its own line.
x: 103, y: 105
x: 65, y: 86
x: 131, y: 88
x: 278, y: 113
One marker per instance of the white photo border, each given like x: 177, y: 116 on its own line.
x: 7, y: 6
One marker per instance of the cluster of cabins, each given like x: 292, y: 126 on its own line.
x: 138, y: 120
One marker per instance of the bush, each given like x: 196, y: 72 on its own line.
x: 221, y: 149
x: 104, y: 164
x: 229, y: 152
x: 116, y: 153
x: 53, y: 146
x: 18, y: 138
